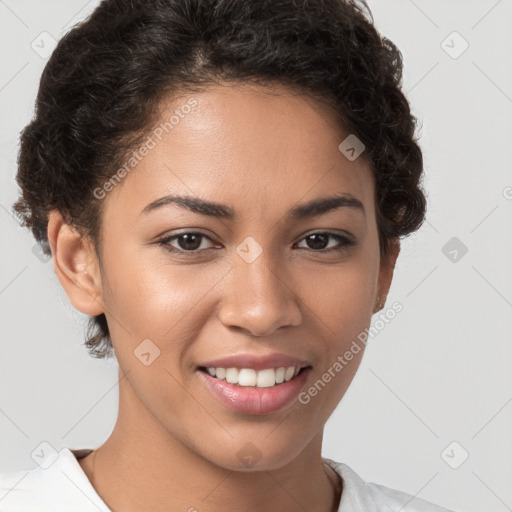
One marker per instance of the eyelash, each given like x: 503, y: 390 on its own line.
x: 346, y: 242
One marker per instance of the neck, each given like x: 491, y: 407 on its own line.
x: 142, y: 467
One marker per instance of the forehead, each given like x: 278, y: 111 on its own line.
x: 251, y: 146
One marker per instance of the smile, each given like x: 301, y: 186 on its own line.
x: 255, y: 392
x: 265, y: 378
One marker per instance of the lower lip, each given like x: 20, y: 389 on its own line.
x: 253, y: 400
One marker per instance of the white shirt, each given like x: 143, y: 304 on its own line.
x: 64, y: 487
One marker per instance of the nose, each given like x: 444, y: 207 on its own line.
x: 259, y: 297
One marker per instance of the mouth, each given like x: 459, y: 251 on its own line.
x: 255, y: 391
x: 250, y: 377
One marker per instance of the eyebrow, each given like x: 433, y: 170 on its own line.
x: 310, y: 209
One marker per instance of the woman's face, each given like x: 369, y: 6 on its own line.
x: 260, y: 281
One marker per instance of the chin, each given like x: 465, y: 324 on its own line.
x: 257, y: 456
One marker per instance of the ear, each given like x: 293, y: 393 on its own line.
x: 76, y: 265
x: 387, y: 267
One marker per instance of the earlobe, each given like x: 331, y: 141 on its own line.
x: 387, y: 268
x: 76, y: 265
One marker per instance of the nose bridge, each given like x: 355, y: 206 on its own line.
x: 258, y: 298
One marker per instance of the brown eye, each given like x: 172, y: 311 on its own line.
x: 319, y: 242
x: 185, y: 242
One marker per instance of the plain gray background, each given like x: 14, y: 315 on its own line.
x: 435, y: 384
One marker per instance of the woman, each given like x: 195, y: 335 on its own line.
x: 223, y: 186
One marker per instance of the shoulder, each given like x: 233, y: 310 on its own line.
x: 359, y: 495
x: 57, y: 485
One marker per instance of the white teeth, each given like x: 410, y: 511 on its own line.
x: 266, y: 378
x: 288, y: 374
x: 232, y: 375
x: 248, y: 377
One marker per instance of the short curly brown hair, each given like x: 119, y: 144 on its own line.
x: 100, y: 91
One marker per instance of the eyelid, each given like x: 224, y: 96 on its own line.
x: 346, y: 239
x: 339, y: 232
x: 165, y: 240
x: 345, y: 242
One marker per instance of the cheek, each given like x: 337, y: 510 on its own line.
x: 150, y: 298
x: 343, y: 297
x: 342, y: 301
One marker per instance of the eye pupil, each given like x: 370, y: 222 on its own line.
x: 191, y: 242
x: 315, y: 238
x: 188, y: 238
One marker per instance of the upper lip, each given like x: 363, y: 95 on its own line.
x: 256, y: 362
